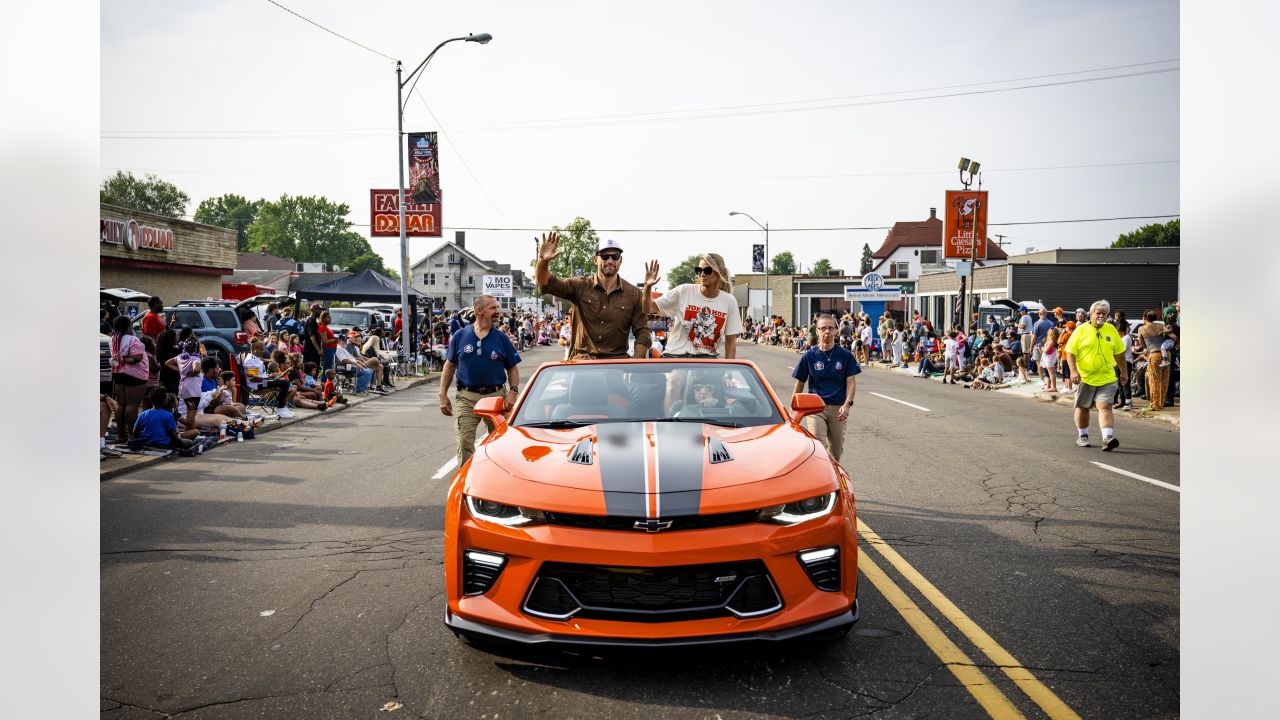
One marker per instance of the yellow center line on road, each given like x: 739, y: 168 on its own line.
x: 974, y: 680
x: 1052, y: 705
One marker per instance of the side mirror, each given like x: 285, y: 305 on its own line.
x: 802, y: 405
x: 492, y: 409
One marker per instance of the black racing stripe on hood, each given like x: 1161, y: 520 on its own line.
x: 620, y: 448
x: 680, y: 454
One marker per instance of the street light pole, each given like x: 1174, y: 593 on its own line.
x: 966, y: 289
x: 764, y: 227
x: 482, y: 38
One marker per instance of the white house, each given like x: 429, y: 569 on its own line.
x: 453, y: 276
x: 912, y: 249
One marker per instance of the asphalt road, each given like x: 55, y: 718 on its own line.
x: 299, y: 576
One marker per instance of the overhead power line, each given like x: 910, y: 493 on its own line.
x: 647, y: 117
x: 331, y: 32
x: 756, y: 230
x: 689, y: 178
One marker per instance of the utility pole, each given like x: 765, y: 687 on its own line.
x: 1000, y: 241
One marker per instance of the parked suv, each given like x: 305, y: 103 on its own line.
x: 346, y: 318
x: 219, y: 324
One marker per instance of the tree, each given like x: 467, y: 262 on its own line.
x: 783, y: 264
x: 230, y: 211
x: 307, y: 229
x: 578, y: 243
x: 822, y: 267
x: 682, y: 274
x: 1165, y: 235
x: 371, y: 261
x: 150, y: 194
x: 867, y: 262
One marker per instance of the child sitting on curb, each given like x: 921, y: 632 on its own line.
x: 331, y: 394
x: 157, y: 427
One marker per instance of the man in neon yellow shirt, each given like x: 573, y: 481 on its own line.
x: 1093, y: 354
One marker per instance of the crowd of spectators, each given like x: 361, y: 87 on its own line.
x: 1021, y: 348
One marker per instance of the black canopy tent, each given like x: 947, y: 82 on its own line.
x: 368, y: 286
x: 364, y: 286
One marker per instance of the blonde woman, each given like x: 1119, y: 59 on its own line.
x: 704, y: 313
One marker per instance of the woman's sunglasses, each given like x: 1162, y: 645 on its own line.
x: 699, y: 270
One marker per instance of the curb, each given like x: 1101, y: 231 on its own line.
x: 134, y: 463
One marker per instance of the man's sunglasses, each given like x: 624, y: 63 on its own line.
x: 700, y: 270
x: 615, y: 257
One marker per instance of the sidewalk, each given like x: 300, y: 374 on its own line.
x: 1141, y: 408
x: 112, y: 467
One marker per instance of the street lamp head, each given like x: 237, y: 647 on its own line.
x: 964, y: 164
x: 973, y: 167
x: 734, y: 212
x: 482, y: 38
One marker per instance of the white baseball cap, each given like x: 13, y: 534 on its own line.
x: 608, y: 244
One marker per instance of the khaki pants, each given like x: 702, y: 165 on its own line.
x: 464, y: 404
x: 826, y: 428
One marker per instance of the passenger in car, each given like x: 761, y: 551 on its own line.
x: 606, y: 308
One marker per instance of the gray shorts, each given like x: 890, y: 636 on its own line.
x: 1087, y: 395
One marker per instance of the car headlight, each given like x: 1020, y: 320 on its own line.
x: 801, y: 510
x: 502, y: 514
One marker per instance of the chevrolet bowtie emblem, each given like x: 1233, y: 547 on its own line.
x: 652, y: 525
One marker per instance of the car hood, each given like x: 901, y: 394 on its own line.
x: 628, y: 461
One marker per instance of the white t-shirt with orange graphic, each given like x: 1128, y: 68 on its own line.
x: 699, y: 323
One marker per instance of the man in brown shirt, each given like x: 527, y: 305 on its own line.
x: 605, y: 307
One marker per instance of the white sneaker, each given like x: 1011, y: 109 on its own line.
x: 1082, y: 441
x: 283, y: 413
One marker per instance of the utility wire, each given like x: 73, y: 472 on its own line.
x: 753, y: 230
x: 633, y: 118
x: 825, y: 99
x: 331, y: 32
x: 691, y: 178
x: 460, y: 158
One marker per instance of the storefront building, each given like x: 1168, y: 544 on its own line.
x: 174, y: 259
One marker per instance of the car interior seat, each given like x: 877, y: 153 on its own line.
x: 588, y: 399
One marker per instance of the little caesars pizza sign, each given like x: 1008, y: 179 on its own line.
x: 497, y: 285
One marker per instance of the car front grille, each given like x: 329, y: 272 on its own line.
x: 679, y: 522
x: 661, y: 594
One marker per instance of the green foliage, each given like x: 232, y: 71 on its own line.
x: 230, y: 211
x: 150, y: 194
x: 578, y: 243
x: 1165, y: 235
x: 822, y: 267
x: 371, y: 261
x: 682, y: 274
x: 867, y: 261
x: 784, y: 263
x: 307, y: 229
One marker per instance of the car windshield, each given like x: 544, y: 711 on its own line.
x: 723, y: 394
x: 350, y: 318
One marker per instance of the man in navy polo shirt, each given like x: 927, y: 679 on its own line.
x: 831, y: 373
x: 485, y: 361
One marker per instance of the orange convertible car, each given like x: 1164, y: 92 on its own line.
x: 652, y: 503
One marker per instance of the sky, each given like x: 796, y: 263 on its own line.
x: 647, y: 118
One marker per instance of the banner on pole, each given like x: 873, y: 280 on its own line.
x: 498, y: 286
x: 384, y: 216
x: 424, y: 168
x: 757, y: 258
x: 966, y: 221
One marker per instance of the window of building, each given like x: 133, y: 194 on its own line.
x: 902, y: 269
x: 930, y: 257
x: 438, y: 264
x: 429, y: 278
x: 471, y: 281
x: 451, y: 257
